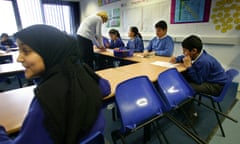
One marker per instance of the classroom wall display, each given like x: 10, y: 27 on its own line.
x: 105, y: 2
x: 226, y: 15
x: 190, y: 11
x: 114, y: 18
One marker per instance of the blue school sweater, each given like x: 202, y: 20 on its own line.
x: 9, y: 43
x: 161, y: 46
x: 205, y: 69
x: 33, y: 130
x: 135, y: 44
x: 116, y: 43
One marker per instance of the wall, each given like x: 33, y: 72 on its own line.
x: 228, y: 55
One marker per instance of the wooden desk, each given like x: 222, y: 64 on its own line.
x: 11, y: 69
x: 114, y: 77
x: 14, y: 106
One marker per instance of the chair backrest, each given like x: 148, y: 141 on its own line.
x: 231, y: 74
x: 137, y: 101
x: 96, y: 138
x: 174, y: 88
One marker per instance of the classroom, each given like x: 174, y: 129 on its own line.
x: 119, y: 71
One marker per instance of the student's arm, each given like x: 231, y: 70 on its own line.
x: 149, y: 47
x: 33, y: 130
x: 139, y: 45
x: 167, y: 48
x: 198, y: 72
x: 179, y: 59
x: 99, y: 33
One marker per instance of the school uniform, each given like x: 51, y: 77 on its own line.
x: 34, y: 131
x: 135, y: 44
x: 161, y: 46
x: 8, y: 43
x: 206, y: 75
x: 118, y: 43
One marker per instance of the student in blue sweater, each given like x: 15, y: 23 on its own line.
x: 67, y: 103
x: 204, y: 73
x: 135, y: 43
x: 115, y: 39
x: 6, y: 43
x: 162, y: 44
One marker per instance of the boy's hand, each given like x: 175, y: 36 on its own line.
x: 173, y: 60
x: 187, y: 61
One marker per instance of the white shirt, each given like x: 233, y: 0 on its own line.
x: 91, y: 28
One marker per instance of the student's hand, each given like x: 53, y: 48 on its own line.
x: 116, y: 48
x: 187, y: 61
x: 145, y: 53
x: 173, y: 60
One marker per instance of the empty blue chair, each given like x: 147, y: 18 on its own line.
x: 217, y: 99
x: 138, y: 104
x: 175, y: 90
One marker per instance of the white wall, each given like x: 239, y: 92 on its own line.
x: 228, y: 55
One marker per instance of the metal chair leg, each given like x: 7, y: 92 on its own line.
x: 219, y: 106
x: 147, y: 133
x: 189, y: 121
x: 218, y: 119
x: 199, y: 99
x: 163, y: 134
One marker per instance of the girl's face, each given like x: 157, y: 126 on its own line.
x: 32, y: 61
x: 113, y: 36
x: 131, y: 34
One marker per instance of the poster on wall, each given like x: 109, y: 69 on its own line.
x: 114, y: 18
x: 226, y: 15
x: 190, y: 11
x: 105, y: 2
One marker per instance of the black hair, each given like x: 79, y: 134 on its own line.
x: 135, y: 31
x: 4, y: 34
x: 192, y: 42
x: 161, y: 24
x: 115, y: 32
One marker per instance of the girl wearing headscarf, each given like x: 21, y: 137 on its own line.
x: 67, y: 102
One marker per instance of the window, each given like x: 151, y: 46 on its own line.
x: 30, y: 12
x: 58, y: 16
x: 7, y: 17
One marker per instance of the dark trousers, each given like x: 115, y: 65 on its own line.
x: 208, y: 88
x: 86, y: 50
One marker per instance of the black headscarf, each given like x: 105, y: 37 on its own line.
x: 68, y: 92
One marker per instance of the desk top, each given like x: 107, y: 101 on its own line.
x: 11, y: 68
x: 14, y: 106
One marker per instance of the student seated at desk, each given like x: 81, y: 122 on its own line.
x: 6, y: 43
x: 115, y: 39
x: 68, y: 97
x: 135, y: 43
x: 162, y: 44
x: 204, y: 73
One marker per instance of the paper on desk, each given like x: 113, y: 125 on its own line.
x: 164, y: 64
x: 2, y: 52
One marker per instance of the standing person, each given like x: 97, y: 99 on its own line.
x: 89, y: 33
x: 6, y: 43
x: 67, y: 101
x: 135, y: 43
x: 162, y: 44
x: 115, y: 39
